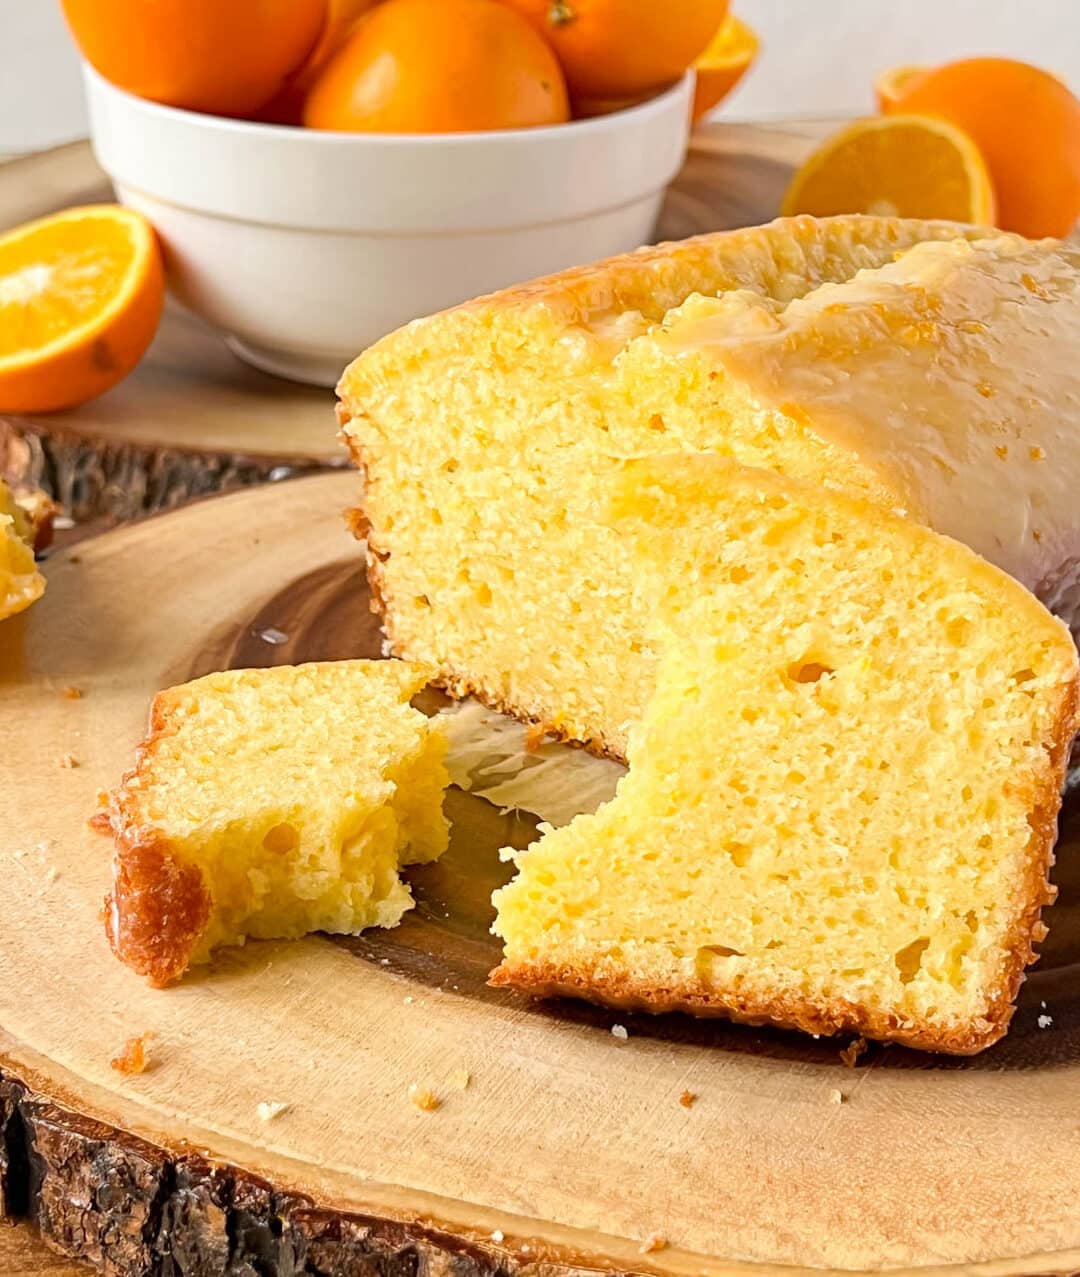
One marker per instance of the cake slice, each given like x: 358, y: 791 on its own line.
x: 841, y: 803
x: 929, y: 367
x: 20, y: 581
x: 270, y: 803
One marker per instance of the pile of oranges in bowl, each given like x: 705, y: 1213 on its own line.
x: 411, y: 66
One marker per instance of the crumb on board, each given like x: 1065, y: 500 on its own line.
x: 72, y: 693
x: 851, y: 1053
x: 1045, y: 1021
x: 133, y: 1057
x: 687, y: 1099
x: 654, y: 1241
x: 619, y: 1031
x: 68, y: 761
x: 498, y: 1235
x: 269, y: 1109
x: 423, y: 1098
x: 836, y: 1096
x: 534, y: 736
x: 460, y: 1078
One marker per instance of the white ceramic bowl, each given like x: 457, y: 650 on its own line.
x: 304, y: 247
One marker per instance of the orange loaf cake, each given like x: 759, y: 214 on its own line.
x: 20, y: 581
x: 841, y: 803
x: 928, y: 367
x: 270, y: 803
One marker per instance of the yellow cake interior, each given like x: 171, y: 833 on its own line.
x: 295, y: 793
x: 894, y: 359
x: 20, y: 582
x: 840, y: 804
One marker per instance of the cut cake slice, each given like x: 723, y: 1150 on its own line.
x: 930, y: 367
x: 270, y: 803
x: 20, y: 581
x: 841, y: 804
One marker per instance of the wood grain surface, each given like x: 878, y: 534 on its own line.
x: 192, y: 419
x: 567, y: 1147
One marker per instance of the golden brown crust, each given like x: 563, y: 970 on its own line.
x: 617, y: 987
x: 159, y: 905
x: 157, y: 909
x: 657, y: 277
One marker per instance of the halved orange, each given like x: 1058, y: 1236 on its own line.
x: 728, y: 57
x: 891, y: 83
x: 81, y: 294
x: 898, y: 166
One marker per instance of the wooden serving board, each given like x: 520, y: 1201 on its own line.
x: 566, y: 1148
x: 193, y: 419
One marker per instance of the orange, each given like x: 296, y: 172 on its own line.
x: 724, y: 63
x: 891, y: 83
x: 623, y: 48
x: 224, y: 57
x: 287, y: 106
x: 1027, y: 125
x: 439, y: 66
x: 81, y: 295
x: 895, y: 165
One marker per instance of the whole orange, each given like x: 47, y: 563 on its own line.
x: 224, y: 57
x: 1027, y: 125
x: 439, y: 66
x: 619, y: 48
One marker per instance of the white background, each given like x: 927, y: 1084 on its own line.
x: 820, y: 55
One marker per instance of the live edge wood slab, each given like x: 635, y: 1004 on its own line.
x: 566, y: 1149
x: 192, y: 419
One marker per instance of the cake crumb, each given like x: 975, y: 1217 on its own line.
x: 687, y: 1099
x: 72, y: 693
x: 461, y: 1079
x: 408, y: 999
x: 619, y: 1031
x: 534, y: 736
x: 836, y: 1096
x: 851, y: 1053
x: 654, y: 1241
x: 1045, y: 1021
x: 498, y: 1235
x: 423, y: 1098
x: 269, y: 1109
x: 133, y: 1056
x: 68, y: 761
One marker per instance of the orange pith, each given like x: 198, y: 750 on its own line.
x: 906, y: 166
x: 81, y: 294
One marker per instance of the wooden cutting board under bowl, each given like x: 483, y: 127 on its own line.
x: 556, y: 1146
